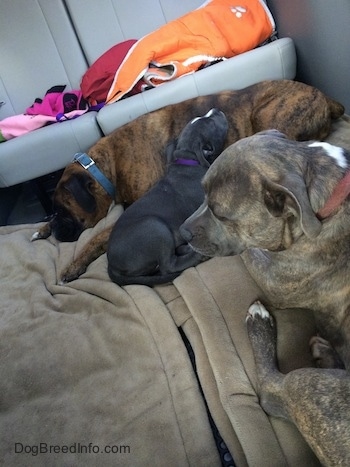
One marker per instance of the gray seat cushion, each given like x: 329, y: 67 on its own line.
x: 46, y: 150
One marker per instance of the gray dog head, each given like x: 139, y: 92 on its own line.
x: 203, y: 138
x: 256, y: 196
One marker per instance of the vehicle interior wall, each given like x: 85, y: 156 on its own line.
x: 320, y: 30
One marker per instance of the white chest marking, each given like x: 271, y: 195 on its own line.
x: 333, y: 151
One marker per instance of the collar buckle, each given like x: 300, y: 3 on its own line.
x: 84, y: 160
x: 89, y: 164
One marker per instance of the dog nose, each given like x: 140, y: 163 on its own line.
x: 185, y: 233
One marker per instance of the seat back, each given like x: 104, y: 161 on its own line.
x: 121, y: 20
x: 38, y: 49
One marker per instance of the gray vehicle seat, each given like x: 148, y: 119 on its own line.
x: 45, y: 43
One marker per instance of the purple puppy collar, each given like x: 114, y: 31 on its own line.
x: 186, y: 162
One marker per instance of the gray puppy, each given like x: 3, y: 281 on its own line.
x: 145, y: 246
x: 284, y: 206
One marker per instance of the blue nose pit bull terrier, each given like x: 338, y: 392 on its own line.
x: 145, y: 246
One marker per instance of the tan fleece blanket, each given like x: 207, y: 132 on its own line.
x: 95, y: 374
x: 90, y: 368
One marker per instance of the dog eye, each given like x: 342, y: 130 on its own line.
x: 215, y: 210
x: 208, y: 149
x: 221, y: 218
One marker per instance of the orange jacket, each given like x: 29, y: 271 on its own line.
x: 221, y: 29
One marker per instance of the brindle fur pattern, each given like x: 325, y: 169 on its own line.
x: 132, y: 157
x: 262, y: 194
x: 316, y: 400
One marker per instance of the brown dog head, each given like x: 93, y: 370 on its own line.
x: 79, y: 203
x: 257, y: 195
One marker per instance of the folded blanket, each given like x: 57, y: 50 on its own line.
x: 91, y: 374
x: 217, y: 30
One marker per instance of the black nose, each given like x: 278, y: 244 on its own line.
x: 185, y: 233
x: 65, y: 229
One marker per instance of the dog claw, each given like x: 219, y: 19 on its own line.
x: 258, y: 309
x: 66, y: 278
x: 72, y: 273
x: 260, y: 323
x: 42, y: 233
x: 35, y: 236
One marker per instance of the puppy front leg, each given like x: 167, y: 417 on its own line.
x: 184, y: 257
x: 96, y: 247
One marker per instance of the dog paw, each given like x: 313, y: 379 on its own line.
x: 42, y: 233
x: 39, y: 235
x: 72, y: 273
x: 67, y: 277
x: 260, y: 324
x: 35, y: 236
x: 257, y: 309
x: 324, y: 354
x: 184, y: 249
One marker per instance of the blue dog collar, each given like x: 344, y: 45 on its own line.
x: 89, y: 164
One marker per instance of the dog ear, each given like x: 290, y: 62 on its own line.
x: 292, y: 191
x: 274, y: 201
x: 169, y: 150
x: 80, y: 187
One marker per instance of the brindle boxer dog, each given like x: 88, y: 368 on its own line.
x: 132, y: 158
x: 284, y: 206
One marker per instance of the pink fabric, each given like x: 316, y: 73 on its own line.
x: 18, y: 125
x: 56, y: 102
x: 56, y: 106
x: 51, y: 105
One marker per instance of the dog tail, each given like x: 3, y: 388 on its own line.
x: 336, y: 108
x: 151, y: 280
